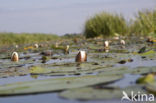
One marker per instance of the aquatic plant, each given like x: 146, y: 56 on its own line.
x: 105, y: 24
x: 122, y: 42
x: 81, y: 56
x: 25, y: 38
x: 66, y: 50
x: 36, y: 46
x: 14, y: 57
x: 144, y: 23
x: 146, y: 79
x: 106, y: 44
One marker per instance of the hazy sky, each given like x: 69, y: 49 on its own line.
x: 60, y: 16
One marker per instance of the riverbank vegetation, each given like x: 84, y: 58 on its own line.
x: 144, y: 23
x: 25, y: 38
x: 107, y: 24
x: 101, y: 25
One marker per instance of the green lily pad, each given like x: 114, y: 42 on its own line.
x: 89, y: 93
x: 5, y: 56
x: 146, y: 79
x: 38, y: 70
x: 150, y: 54
x: 68, y: 68
x: 151, y: 88
x: 111, y: 58
x: 126, y: 70
x: 115, y: 71
x: 9, y: 63
x: 50, y: 85
x: 8, y: 72
x: 93, y: 46
x: 143, y: 70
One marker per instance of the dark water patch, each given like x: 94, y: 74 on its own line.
x: 138, y: 61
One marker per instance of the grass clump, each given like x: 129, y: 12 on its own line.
x: 144, y: 23
x: 25, y: 38
x: 105, y: 24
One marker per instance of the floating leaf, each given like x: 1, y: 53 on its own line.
x: 115, y: 71
x: 143, y: 70
x: 9, y: 63
x: 89, y: 93
x: 70, y: 68
x: 8, y: 72
x: 150, y: 54
x: 146, y: 79
x: 151, y: 88
x: 126, y: 70
x: 50, y: 85
x: 38, y: 70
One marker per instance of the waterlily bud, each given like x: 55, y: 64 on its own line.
x: 35, y: 45
x: 122, y: 42
x: 106, y: 50
x: 14, y: 57
x: 67, y: 49
x: 16, y: 46
x: 116, y: 38
x: 81, y: 56
x: 106, y: 44
x: 56, y: 45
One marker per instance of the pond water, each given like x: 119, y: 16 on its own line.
x: 47, y: 98
x: 138, y: 62
x: 53, y: 97
x: 61, y: 16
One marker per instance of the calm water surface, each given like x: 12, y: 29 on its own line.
x: 59, y: 17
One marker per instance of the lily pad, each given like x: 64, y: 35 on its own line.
x: 38, y: 70
x: 151, y: 88
x: 115, y: 71
x: 143, y: 70
x: 69, y: 68
x: 146, y: 79
x: 90, y: 93
x: 50, y: 85
x: 150, y: 54
x: 8, y: 72
x: 126, y: 70
x: 9, y: 63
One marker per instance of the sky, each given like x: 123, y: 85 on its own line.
x: 61, y: 16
